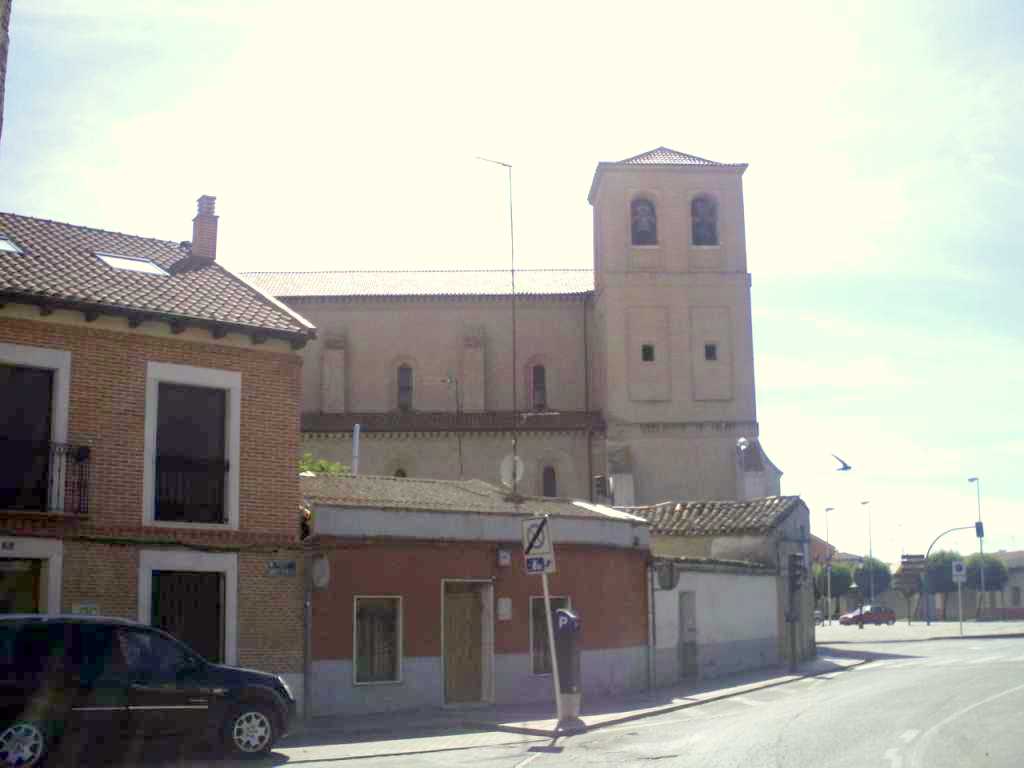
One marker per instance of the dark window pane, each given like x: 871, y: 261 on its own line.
x: 191, y: 459
x: 704, y: 216
x: 540, y: 388
x: 377, y: 640
x: 549, y: 482
x: 647, y: 353
x: 404, y: 387
x: 26, y: 397
x: 711, y: 352
x: 643, y: 222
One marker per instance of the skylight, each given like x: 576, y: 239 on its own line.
x: 7, y: 245
x: 130, y: 263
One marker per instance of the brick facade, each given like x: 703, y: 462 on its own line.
x: 106, y: 411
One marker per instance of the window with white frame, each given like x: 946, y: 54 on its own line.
x: 540, y: 648
x: 192, y: 445
x: 377, y: 647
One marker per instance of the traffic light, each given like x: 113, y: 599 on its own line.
x: 979, y: 529
x: 796, y: 571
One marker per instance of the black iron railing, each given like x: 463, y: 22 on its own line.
x: 190, y: 490
x: 44, y: 477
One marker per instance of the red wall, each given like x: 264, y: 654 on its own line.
x: 606, y: 586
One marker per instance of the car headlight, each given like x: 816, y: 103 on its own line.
x: 287, y: 689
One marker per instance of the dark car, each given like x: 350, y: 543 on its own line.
x: 872, y: 614
x: 63, y: 677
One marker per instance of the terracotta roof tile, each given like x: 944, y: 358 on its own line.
x: 717, y: 518
x: 423, y: 494
x: 58, y: 261
x: 662, y: 157
x: 470, y: 282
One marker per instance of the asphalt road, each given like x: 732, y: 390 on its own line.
x: 936, y: 704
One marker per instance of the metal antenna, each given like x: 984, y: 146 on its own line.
x: 515, y: 365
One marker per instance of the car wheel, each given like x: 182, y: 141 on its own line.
x: 251, y: 730
x: 23, y: 744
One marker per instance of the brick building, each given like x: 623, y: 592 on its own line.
x: 149, y: 407
x: 422, y: 599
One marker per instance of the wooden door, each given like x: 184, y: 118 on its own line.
x: 687, y: 636
x: 463, y: 643
x: 190, y: 606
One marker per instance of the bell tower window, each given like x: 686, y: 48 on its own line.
x: 704, y: 215
x: 539, y: 387
x: 549, y: 482
x: 643, y: 222
x: 404, y: 387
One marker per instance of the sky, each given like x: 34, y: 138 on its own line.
x: 882, y: 200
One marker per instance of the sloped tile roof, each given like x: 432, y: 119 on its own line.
x: 423, y: 494
x: 471, y: 282
x: 666, y: 156
x: 58, y: 262
x: 717, y: 518
x: 663, y: 157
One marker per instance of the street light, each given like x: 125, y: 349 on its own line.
x: 871, y: 556
x: 828, y: 568
x: 981, y: 540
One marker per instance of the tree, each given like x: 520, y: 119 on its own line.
x: 842, y: 578
x: 908, y: 583
x: 873, y: 570
x: 996, y: 574
x: 939, y: 575
x: 320, y: 466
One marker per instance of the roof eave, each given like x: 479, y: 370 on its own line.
x: 736, y: 168
x: 217, y: 328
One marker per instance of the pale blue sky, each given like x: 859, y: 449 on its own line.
x: 882, y: 199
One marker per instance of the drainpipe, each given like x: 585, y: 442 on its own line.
x: 307, y: 640
x: 652, y: 636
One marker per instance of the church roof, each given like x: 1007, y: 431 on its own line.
x: 661, y: 156
x: 717, y: 518
x: 439, y: 283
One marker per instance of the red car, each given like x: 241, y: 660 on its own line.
x: 873, y: 614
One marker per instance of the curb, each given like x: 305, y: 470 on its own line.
x: 989, y: 636
x: 650, y: 712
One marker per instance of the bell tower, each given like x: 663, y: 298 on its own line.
x: 673, y: 360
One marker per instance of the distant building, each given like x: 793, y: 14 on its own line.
x: 633, y: 380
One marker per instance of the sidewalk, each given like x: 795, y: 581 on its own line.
x: 918, y: 630
x: 537, y: 720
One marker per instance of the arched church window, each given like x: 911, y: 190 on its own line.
x: 704, y: 215
x: 643, y: 222
x: 404, y: 387
x: 539, y: 388
x: 549, y: 482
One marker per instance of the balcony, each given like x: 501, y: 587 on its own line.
x: 44, y: 477
x: 190, y: 490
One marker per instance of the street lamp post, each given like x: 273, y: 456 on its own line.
x: 871, y: 556
x: 981, y: 543
x: 828, y: 568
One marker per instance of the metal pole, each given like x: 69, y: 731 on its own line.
x: 981, y: 550
x: 928, y: 604
x: 355, y: 449
x: 551, y: 646
x: 828, y: 567
x: 871, y: 556
x: 960, y: 604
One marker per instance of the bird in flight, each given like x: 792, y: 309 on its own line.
x: 843, y: 466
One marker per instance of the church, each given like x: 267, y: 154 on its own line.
x: 630, y: 383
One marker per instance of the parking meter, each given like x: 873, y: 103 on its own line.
x: 567, y: 647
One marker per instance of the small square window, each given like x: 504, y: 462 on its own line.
x: 711, y: 352
x: 8, y: 246
x: 647, y: 353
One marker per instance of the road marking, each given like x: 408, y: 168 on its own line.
x: 902, y: 664
x: 894, y: 757
x: 985, y: 660
x: 943, y: 662
x: 744, y: 700
x: 943, y: 723
x: 528, y: 760
x: 908, y: 736
x: 790, y: 691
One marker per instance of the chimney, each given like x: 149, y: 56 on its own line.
x: 204, y: 230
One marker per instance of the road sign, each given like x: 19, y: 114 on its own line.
x: 536, y: 537
x: 538, y: 548
x: 959, y: 572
